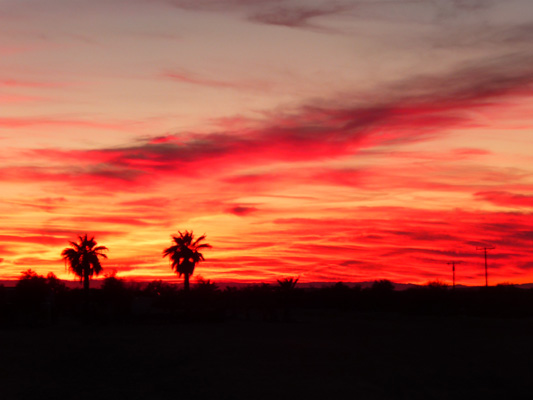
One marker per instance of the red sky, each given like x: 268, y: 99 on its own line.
x: 334, y: 141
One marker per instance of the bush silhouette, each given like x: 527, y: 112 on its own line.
x: 382, y: 286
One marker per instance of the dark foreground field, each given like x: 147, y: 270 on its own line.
x: 331, y: 356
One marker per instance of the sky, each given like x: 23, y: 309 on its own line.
x: 327, y: 140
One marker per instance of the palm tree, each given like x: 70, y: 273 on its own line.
x: 286, y: 289
x: 83, y: 259
x: 184, y: 254
x: 287, y: 284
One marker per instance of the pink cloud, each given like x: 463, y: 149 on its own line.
x: 297, y: 17
x: 29, y: 84
x: 241, y: 210
x: 111, y: 220
x: 24, y: 122
x: 505, y: 199
x: 195, y: 79
x: 470, y: 152
x: 147, y: 203
x: 59, y: 234
x: 417, y: 109
x: 42, y: 240
x: 13, y: 98
x: 401, y: 237
x: 36, y: 261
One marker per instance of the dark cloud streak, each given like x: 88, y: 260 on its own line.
x: 296, y: 17
x: 416, y: 109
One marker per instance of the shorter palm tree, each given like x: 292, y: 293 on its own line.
x: 184, y: 254
x: 287, y: 284
x: 83, y: 258
x: 286, y: 289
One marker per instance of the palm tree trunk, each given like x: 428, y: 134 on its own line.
x: 186, y: 282
x: 86, y: 293
x: 86, y: 281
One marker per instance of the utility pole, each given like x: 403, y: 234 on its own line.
x: 486, y: 269
x: 452, y: 263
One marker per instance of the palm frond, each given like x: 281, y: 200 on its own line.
x: 288, y: 283
x: 197, y: 241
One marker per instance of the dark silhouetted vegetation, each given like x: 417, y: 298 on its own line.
x: 375, y: 341
x: 45, y: 299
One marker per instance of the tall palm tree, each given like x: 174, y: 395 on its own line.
x: 184, y: 254
x: 83, y: 258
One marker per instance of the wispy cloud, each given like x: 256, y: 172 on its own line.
x: 23, y: 122
x: 506, y: 199
x: 14, y: 98
x: 195, y: 79
x: 416, y: 109
x: 222, y: 5
x: 241, y: 210
x: 16, y: 83
x: 42, y: 240
x: 297, y: 16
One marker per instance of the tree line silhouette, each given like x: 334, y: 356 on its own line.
x: 40, y: 300
x: 37, y: 299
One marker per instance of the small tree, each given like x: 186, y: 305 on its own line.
x: 30, y: 281
x: 112, y: 284
x: 206, y: 286
x: 437, y: 285
x: 159, y: 288
x: 55, y: 284
x: 382, y: 286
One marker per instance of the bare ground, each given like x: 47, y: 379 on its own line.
x: 318, y: 356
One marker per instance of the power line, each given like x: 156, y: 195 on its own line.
x: 452, y: 263
x: 486, y: 269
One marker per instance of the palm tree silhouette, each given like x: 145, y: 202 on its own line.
x: 287, y: 284
x: 184, y: 254
x: 83, y: 258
